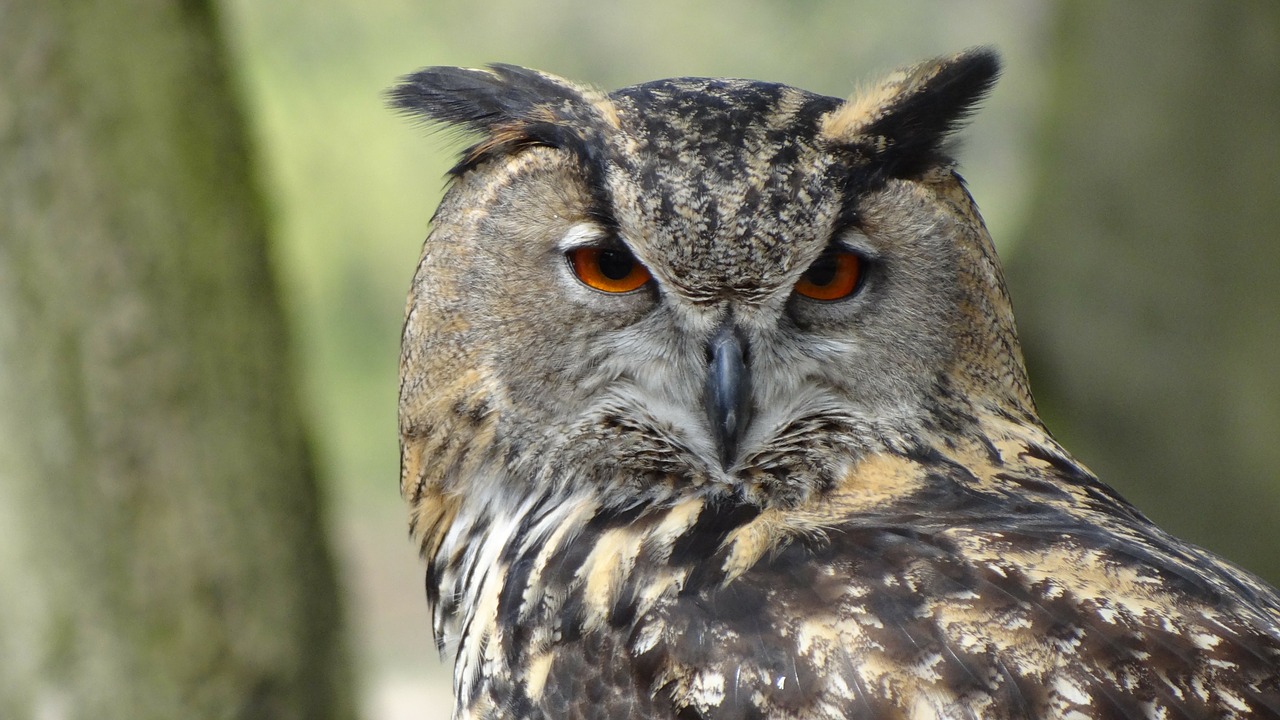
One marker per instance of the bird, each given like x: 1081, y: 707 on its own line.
x: 712, y: 405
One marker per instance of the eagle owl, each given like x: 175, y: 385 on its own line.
x: 712, y: 406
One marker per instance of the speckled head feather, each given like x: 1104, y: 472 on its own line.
x: 794, y: 468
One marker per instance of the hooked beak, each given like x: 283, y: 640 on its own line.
x: 727, y: 394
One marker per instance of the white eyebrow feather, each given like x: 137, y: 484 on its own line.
x: 579, y: 235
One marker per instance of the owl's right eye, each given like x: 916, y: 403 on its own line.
x: 835, y: 275
x: 611, y: 270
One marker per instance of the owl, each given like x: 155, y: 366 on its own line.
x: 712, y: 406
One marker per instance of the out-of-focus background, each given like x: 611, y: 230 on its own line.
x: 208, y: 221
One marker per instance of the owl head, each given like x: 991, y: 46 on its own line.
x: 695, y: 285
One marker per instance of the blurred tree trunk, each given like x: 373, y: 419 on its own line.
x: 161, y: 546
x: 1147, y: 284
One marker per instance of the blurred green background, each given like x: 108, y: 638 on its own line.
x: 1126, y: 165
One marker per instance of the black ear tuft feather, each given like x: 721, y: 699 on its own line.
x: 905, y: 122
x: 477, y: 99
x: 511, y: 106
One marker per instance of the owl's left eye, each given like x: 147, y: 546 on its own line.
x: 611, y: 270
x: 835, y: 275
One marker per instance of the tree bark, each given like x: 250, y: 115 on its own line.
x: 1147, y: 285
x: 161, y: 542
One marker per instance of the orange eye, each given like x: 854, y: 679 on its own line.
x: 834, y: 275
x: 607, y: 269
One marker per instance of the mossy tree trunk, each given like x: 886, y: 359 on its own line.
x: 1147, y: 285
x: 161, y: 545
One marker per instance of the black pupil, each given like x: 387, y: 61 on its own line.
x: 822, y: 271
x: 615, y: 264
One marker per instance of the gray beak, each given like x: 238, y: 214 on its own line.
x: 727, y: 395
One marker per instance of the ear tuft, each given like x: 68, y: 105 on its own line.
x: 510, y: 106
x: 903, y: 123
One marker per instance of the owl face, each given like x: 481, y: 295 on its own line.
x: 698, y: 282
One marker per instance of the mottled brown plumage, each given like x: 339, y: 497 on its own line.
x: 717, y: 497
